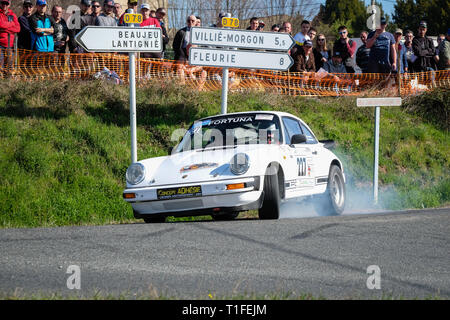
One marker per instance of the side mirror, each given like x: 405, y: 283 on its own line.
x: 169, y: 150
x: 298, y: 138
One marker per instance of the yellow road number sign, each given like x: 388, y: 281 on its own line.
x: 132, y: 18
x: 230, y: 22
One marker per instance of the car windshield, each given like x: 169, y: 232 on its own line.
x: 232, y: 130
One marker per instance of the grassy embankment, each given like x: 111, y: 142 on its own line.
x: 64, y: 146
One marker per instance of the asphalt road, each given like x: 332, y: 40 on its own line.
x: 323, y: 256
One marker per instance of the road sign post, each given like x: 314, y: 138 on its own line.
x: 220, y: 50
x: 377, y: 102
x: 123, y: 39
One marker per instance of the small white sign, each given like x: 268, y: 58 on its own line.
x: 379, y: 102
x: 120, y: 39
x: 239, y: 59
x: 217, y: 37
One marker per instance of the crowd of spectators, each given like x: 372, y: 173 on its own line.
x: 380, y: 52
x: 42, y: 30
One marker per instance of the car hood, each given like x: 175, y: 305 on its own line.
x: 198, y: 165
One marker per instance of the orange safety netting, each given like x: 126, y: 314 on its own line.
x: 24, y: 64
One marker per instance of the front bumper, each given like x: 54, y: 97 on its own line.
x: 215, y: 198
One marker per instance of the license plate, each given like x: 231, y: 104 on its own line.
x: 179, y: 192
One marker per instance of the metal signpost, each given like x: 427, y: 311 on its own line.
x: 377, y: 102
x: 220, y: 50
x: 123, y: 39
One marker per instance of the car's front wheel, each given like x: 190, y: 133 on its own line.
x: 271, y: 204
x: 332, y: 202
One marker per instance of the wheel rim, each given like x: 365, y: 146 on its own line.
x: 337, y: 191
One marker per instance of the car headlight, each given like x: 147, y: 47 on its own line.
x: 135, y: 173
x: 240, y: 163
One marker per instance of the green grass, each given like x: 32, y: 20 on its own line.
x: 65, y: 146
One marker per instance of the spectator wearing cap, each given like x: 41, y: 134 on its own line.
x: 261, y: 25
x: 335, y: 65
x: 132, y: 4
x: 382, y: 50
x: 149, y: 22
x: 76, y: 26
x: 9, y: 25
x: 363, y: 53
x: 42, y: 27
x: 181, y: 40
x: 401, y: 52
x: 160, y: 14
x: 106, y: 18
x: 219, y: 19
x: 89, y: 19
x: 304, y: 58
x: 346, y: 47
x: 24, y: 40
x: 61, y: 32
x: 321, y: 52
x: 444, y: 53
x: 254, y: 24
x: 424, y: 50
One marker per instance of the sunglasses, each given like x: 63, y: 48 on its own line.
x: 343, y: 32
x: 320, y: 39
x: 4, y: 3
x: 97, y: 6
x: 191, y: 20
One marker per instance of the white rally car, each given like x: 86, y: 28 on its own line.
x: 230, y: 163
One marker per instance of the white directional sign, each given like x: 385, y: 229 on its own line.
x: 218, y: 37
x: 379, y: 102
x: 239, y: 59
x: 120, y: 39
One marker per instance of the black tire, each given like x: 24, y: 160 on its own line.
x: 271, y: 203
x: 155, y: 219
x: 225, y: 216
x: 332, y: 202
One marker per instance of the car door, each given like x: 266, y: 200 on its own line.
x: 299, y: 180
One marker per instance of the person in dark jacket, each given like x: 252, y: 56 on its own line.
x: 346, y: 47
x: 42, y: 28
x: 181, y: 40
x: 61, y: 32
x: 160, y: 14
x: 363, y: 53
x: 321, y: 52
x: 304, y: 58
x: 424, y: 50
x: 76, y: 26
x: 24, y: 36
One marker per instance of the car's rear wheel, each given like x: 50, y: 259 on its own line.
x: 271, y: 204
x: 225, y: 216
x: 155, y: 219
x: 332, y: 202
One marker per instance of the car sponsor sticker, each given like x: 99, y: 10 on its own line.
x: 264, y: 117
x: 199, y: 166
x: 179, y: 192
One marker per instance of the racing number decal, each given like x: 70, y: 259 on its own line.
x: 301, y: 162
